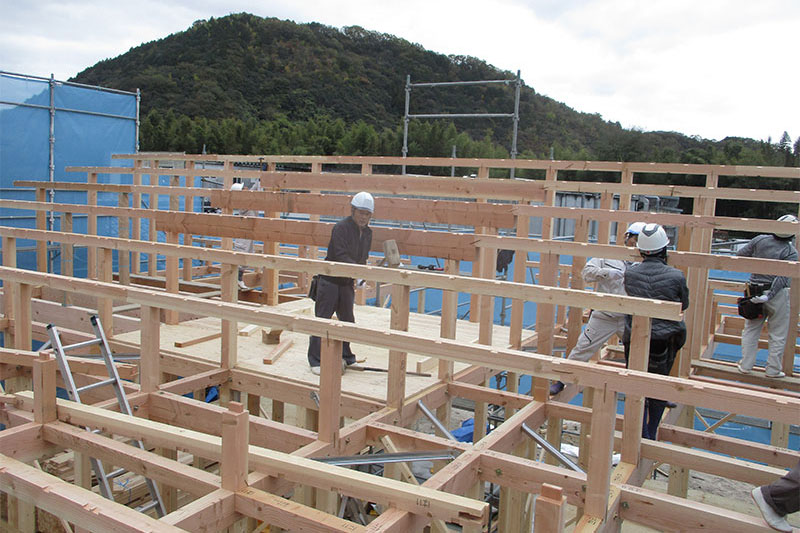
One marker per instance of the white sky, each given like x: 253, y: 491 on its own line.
x: 713, y: 68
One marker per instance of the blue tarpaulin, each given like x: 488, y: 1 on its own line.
x: 88, y: 125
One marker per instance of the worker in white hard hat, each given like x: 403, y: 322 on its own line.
x: 607, y: 275
x: 653, y: 278
x: 243, y: 245
x: 772, y: 292
x: 350, y: 242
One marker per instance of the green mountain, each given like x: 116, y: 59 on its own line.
x: 234, y: 83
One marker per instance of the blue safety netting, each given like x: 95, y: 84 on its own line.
x: 89, y: 124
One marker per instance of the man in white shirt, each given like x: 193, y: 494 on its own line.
x: 608, y: 276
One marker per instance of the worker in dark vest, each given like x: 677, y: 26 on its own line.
x: 653, y: 278
x: 350, y: 242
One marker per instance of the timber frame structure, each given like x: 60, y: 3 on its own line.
x: 227, y: 465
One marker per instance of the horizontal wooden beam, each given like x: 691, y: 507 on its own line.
x: 72, y: 503
x: 541, y: 164
x: 754, y: 225
x: 685, y: 391
x: 674, y: 258
x: 413, y: 278
x: 161, y: 469
x: 291, y: 467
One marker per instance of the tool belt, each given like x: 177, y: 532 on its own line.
x: 748, y: 309
x: 755, y: 289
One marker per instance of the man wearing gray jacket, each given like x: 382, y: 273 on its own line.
x: 773, y: 292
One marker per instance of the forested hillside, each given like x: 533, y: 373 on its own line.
x: 246, y: 84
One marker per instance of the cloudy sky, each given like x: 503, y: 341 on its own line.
x: 713, y: 68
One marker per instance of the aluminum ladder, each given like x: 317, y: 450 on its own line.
x: 103, y: 478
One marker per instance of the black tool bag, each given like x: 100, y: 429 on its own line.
x: 748, y: 309
x: 312, y: 289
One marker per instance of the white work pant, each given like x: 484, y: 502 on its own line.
x: 600, y: 327
x: 776, y: 313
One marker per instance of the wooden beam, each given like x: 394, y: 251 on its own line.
x: 70, y: 502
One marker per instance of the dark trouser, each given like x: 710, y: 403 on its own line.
x: 783, y: 495
x: 332, y: 298
x: 662, y: 357
x: 653, y: 410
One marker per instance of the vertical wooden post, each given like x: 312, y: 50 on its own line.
x: 44, y: 389
x: 67, y: 249
x: 136, y: 222
x: 150, y: 361
x: 550, y: 509
x: 253, y: 404
x: 230, y: 334
x: 152, y: 235
x: 9, y: 289
x: 474, y: 299
x: 172, y: 279
x: 396, y: 388
x: 188, y: 206
x: 105, y: 261
x: 235, y: 443
x: 624, y: 200
x: 41, y: 224
x: 599, y: 474
x: 486, y: 326
x: 330, y: 390
x: 22, y: 317
x: 545, y: 313
x: 447, y: 330
x: 270, y: 278
x: 91, y: 227
x: 575, y: 320
x: 634, y: 405
x: 124, y: 258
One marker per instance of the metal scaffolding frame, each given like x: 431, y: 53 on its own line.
x: 517, y: 82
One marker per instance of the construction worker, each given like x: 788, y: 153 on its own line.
x: 608, y: 275
x: 779, y: 499
x: 653, y: 278
x: 773, y: 293
x: 350, y: 242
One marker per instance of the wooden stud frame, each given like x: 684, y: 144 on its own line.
x: 263, y: 460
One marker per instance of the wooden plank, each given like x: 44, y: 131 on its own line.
x: 550, y: 509
x: 235, y: 439
x: 630, y: 382
x: 150, y: 351
x: 634, y: 405
x: 330, y: 390
x: 604, y: 302
x: 396, y: 387
x: 70, y: 502
x: 44, y: 388
x: 198, y: 340
x: 290, y: 515
x: 599, y: 474
x: 278, y: 351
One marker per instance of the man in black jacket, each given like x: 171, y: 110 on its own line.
x: 350, y: 242
x: 653, y: 278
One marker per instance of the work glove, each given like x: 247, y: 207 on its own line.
x: 760, y: 299
x: 615, y: 274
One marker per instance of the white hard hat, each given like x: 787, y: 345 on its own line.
x: 363, y: 200
x: 652, y: 239
x: 635, y: 228
x: 786, y: 218
x: 237, y: 186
